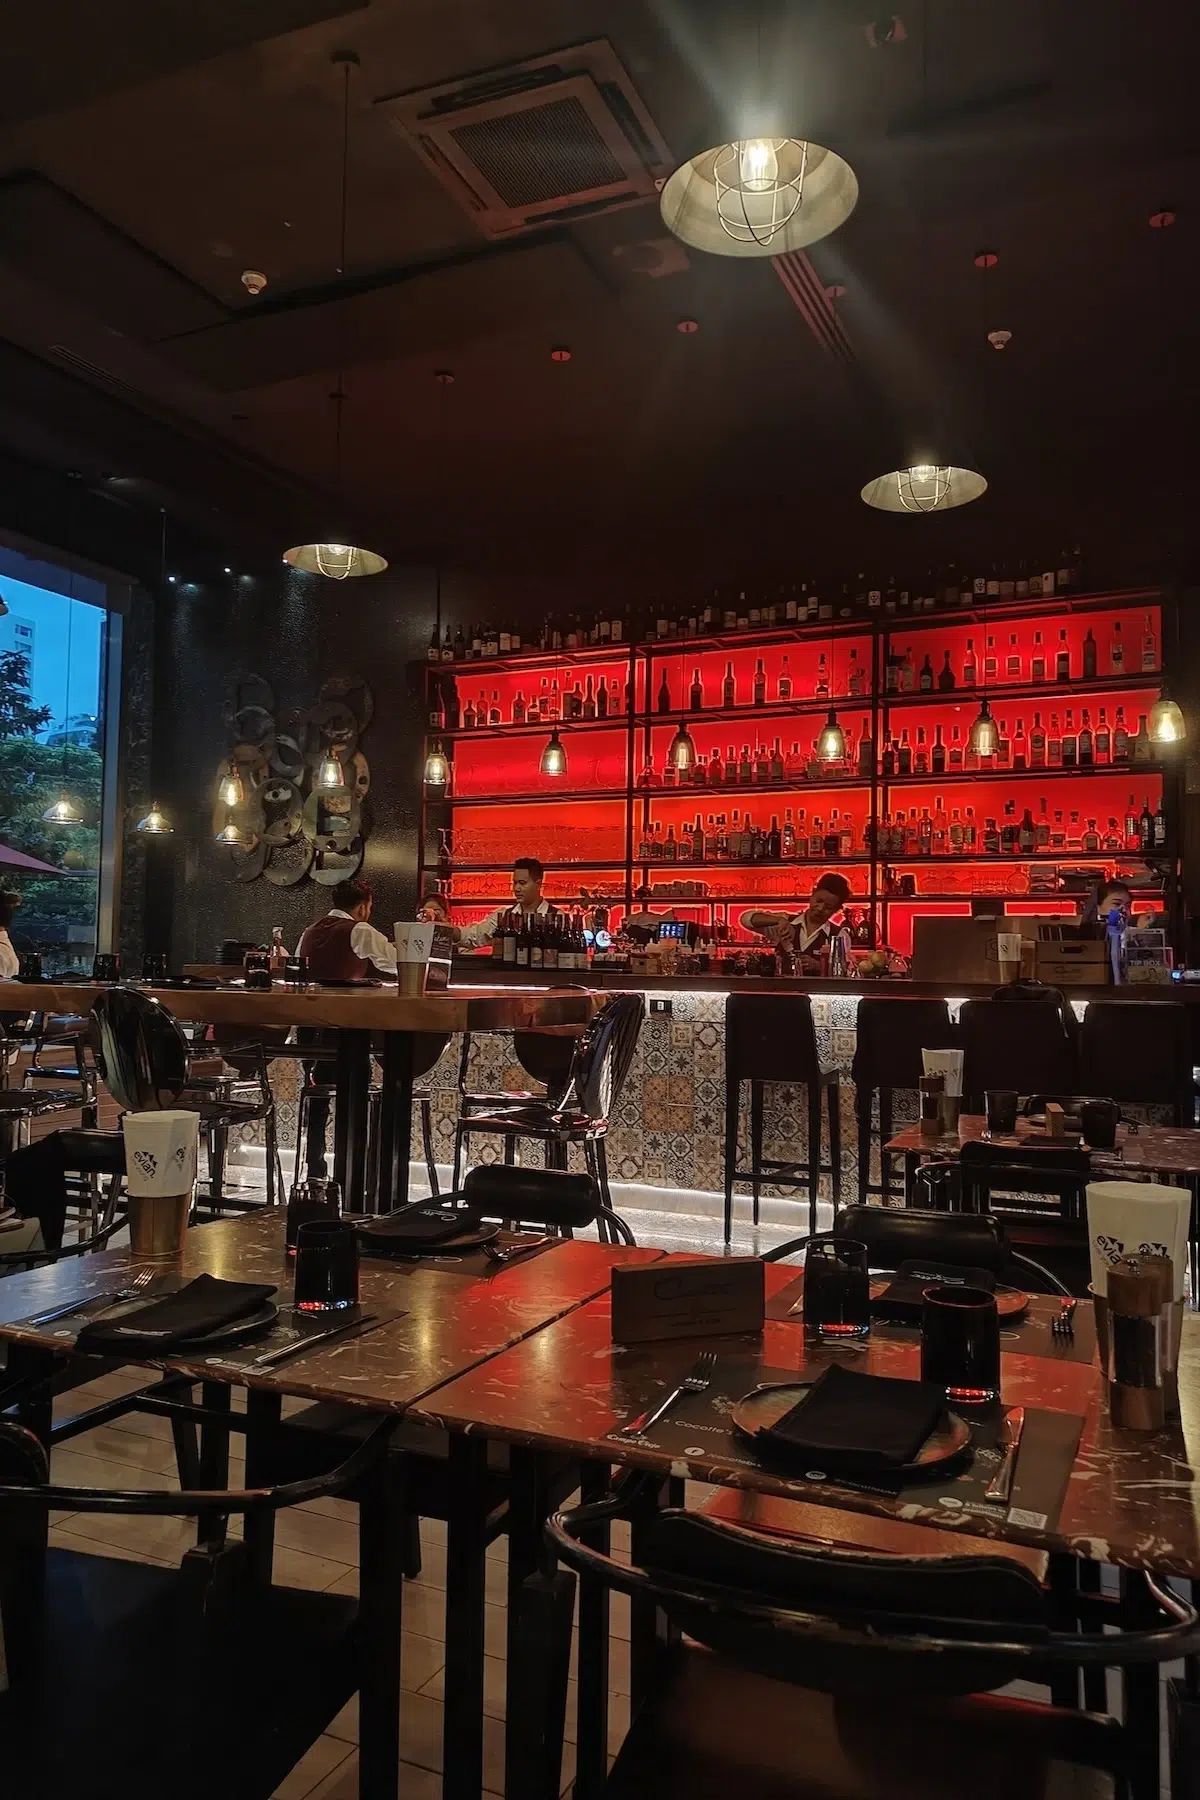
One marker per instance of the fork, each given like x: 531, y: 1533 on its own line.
x: 695, y: 1382
x: 1064, y: 1325
x: 141, y: 1280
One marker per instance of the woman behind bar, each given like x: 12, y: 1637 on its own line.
x: 806, y: 934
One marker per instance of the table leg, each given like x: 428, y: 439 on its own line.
x: 216, y: 1397
x: 263, y: 1412
x: 591, y: 1764
x: 350, y: 1118
x: 540, y: 1603
x: 395, y: 1120
x: 912, y: 1163
x: 466, y: 1546
x: 1142, y: 1693
x: 381, y: 1590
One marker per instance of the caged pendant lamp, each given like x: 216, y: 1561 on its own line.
x: 758, y: 195
x: 335, y: 560
x: 682, y: 752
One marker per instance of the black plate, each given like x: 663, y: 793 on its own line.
x: 240, y: 1332
x: 757, y: 1411
x: 455, y: 1246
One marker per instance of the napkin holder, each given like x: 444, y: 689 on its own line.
x: 715, y: 1297
x: 161, y: 1151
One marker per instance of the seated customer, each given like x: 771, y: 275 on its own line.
x: 10, y: 962
x: 805, y: 933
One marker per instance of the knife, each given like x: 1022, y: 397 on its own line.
x: 1000, y: 1486
x: 110, y: 1297
x: 308, y: 1343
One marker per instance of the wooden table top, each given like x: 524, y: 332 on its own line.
x: 1132, y: 1497
x: 354, y: 1009
x: 451, y: 1320
x: 1164, y: 1149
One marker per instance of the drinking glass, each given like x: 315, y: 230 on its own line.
x: 1098, y: 1120
x: 154, y: 967
x: 326, y: 1266
x: 960, y: 1343
x: 106, y: 968
x: 837, y: 1289
x: 30, y: 968
x: 1001, y: 1111
x: 296, y: 971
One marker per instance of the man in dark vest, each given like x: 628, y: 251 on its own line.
x: 343, y: 946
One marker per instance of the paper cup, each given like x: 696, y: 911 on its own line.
x: 949, y: 1065
x: 1008, y: 954
x: 157, y: 1226
x: 414, y: 941
x: 1137, y: 1218
x: 160, y: 1153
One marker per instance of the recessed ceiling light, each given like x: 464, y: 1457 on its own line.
x: 1162, y: 221
x: 987, y: 259
x: 835, y: 291
x: 444, y: 376
x: 687, y: 326
x: 560, y: 353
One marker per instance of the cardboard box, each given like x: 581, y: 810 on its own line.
x: 1067, y: 962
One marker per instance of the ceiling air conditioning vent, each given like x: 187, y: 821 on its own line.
x: 539, y: 143
x: 93, y: 373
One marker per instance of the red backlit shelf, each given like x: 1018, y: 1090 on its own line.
x: 548, y: 797
x: 999, y: 693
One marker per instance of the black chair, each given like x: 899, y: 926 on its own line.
x: 544, y: 1058
x: 891, y: 1036
x: 202, y: 1680
x: 896, y: 1234
x: 1040, y: 1194
x: 1020, y: 1044
x: 552, y: 1198
x: 1139, y: 1052
x: 771, y: 1038
x: 145, y: 1062
x: 600, y: 1063
x: 823, y: 1674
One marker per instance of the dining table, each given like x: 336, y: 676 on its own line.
x: 357, y: 1014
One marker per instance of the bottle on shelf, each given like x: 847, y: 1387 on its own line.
x: 1062, y: 661
x: 856, y: 676
x: 946, y: 682
x: 1149, y: 647
x: 589, y: 700
x: 1089, y: 656
x: 664, y: 694
x: 696, y: 693
x: 760, y: 683
x: 991, y: 663
x: 1103, y: 739
x: 1037, y: 662
x: 925, y: 679
x: 970, y: 670
x: 1037, y: 743
x: 1146, y: 828
x: 785, y: 680
x: 1087, y: 755
x: 1120, y: 738
x: 822, y: 688
x: 1012, y: 662
x: 1116, y: 650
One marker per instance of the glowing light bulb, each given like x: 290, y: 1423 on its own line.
x: 329, y: 774
x: 231, y: 792
x: 1165, y: 724
x: 554, y: 756
x: 437, y: 767
x: 922, y: 471
x: 682, y: 753
x: 758, y: 165
x: 63, y: 812
x: 831, y: 745
x: 156, y: 822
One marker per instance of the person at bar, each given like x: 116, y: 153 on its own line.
x: 10, y: 962
x: 528, y: 875
x: 806, y: 934
x: 343, y: 946
x: 1106, y: 896
x: 433, y: 910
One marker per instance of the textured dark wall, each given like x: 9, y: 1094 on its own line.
x: 295, y: 631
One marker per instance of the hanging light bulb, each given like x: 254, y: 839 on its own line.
x: 554, y: 757
x: 231, y: 791
x: 985, y: 735
x: 1165, y: 723
x: 337, y: 562
x: 758, y: 196
x: 329, y: 772
x: 437, y: 766
x: 63, y: 812
x: 155, y: 823
x: 924, y: 487
x: 682, y: 753
x: 831, y: 745
x: 231, y: 832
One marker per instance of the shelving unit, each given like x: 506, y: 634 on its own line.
x: 476, y: 829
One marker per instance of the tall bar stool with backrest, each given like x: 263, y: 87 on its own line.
x: 771, y: 1038
x: 1020, y: 1044
x: 1138, y: 1052
x: 891, y: 1037
x: 544, y: 1058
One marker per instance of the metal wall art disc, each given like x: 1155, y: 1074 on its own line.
x: 353, y: 692
x: 254, y: 690
x: 289, y: 863
x: 282, y: 810
x: 287, y: 758
x: 336, y: 729
x: 254, y: 726
x: 332, y: 816
x: 246, y: 862
x: 358, y: 775
x: 332, y: 866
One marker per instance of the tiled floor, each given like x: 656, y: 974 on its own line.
x: 316, y: 1548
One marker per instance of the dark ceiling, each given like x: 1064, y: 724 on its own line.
x: 145, y: 163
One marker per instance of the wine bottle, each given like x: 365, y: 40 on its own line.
x: 1012, y: 662
x: 926, y: 677
x: 1116, y: 650
x: 969, y: 666
x: 1089, y: 656
x: 1062, y: 663
x: 664, y: 695
x: 760, y: 683
x: 1087, y: 758
x: 696, y: 696
x: 937, y: 756
x: 1037, y: 662
x: 785, y: 680
x: 946, y: 682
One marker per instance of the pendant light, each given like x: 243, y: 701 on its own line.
x: 984, y: 739
x: 155, y: 823
x: 335, y: 560
x: 924, y: 487
x: 682, y: 753
x: 64, y: 810
x: 831, y: 744
x: 758, y: 195
x: 329, y: 772
x: 554, y: 756
x: 437, y: 765
x: 231, y: 792
x: 1165, y: 722
x: 232, y: 833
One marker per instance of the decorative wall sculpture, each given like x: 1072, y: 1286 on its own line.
x: 276, y: 812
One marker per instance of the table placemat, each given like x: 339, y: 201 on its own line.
x: 468, y: 1262
x: 1029, y: 1335
x: 699, y: 1425
x: 291, y: 1328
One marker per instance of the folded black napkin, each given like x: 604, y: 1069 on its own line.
x: 417, y: 1225
x: 195, y: 1311
x: 903, y: 1297
x: 858, y: 1421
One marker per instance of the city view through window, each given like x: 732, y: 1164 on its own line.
x: 53, y: 639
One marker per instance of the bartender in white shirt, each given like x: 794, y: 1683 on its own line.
x: 809, y: 932
x: 527, y: 878
x: 10, y: 962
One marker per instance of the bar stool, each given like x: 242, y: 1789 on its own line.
x: 1138, y: 1052
x: 771, y: 1038
x: 427, y: 1051
x: 1021, y: 1044
x: 891, y: 1037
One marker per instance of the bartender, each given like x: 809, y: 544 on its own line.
x: 527, y: 877
x: 806, y: 933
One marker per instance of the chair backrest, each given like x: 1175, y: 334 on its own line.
x: 989, y: 1170
x: 898, y: 1234
x: 546, y: 1059
x: 1139, y: 1051
x: 140, y: 1050
x: 604, y: 1053
x: 1019, y: 1044
x: 770, y: 1037
x: 533, y: 1196
x: 427, y: 1051
x: 891, y: 1035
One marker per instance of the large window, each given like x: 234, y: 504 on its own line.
x: 59, y: 646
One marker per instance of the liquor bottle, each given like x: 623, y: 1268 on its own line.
x: 1003, y: 746
x: 908, y: 673
x: 956, y: 832
x: 822, y: 688
x: 1112, y: 837
x: 787, y: 842
x: 460, y: 645
x: 554, y: 708
x: 793, y: 766
x: 956, y: 752
x: 649, y: 777
x: 1027, y: 834
x: 1020, y: 747
x: 970, y: 834
x: 696, y: 696
x: 920, y: 754
x: 891, y: 674
x: 1054, y: 744
x: 937, y: 756
x: 435, y: 646
x: 477, y: 640
x: 993, y: 584
x: 760, y: 683
x: 1037, y: 744
x: 1021, y: 590
x: 866, y: 751
x: 926, y: 677
x: 991, y: 838
x: 991, y: 663
x: 831, y: 843
x: 749, y: 839
x: 1116, y: 652
x: 969, y: 668
x: 684, y: 849
x: 576, y: 698
x: 1042, y: 836
x: 1062, y: 662
x: 774, y: 840
x: 904, y: 755
x: 729, y: 687
x: 785, y: 680
x: 945, y: 680
x: 846, y: 836
x: 589, y: 701
x: 469, y: 716
x: 1087, y: 758
x: 1091, y: 839
x: 1146, y: 827
x: 664, y: 695
x: 1089, y: 656
x: 614, y: 698
x: 816, y: 837
x: 1103, y: 740
x: 762, y: 766
x: 1120, y: 740
x: 1070, y: 744
x: 1012, y: 662
x: 1160, y: 827
x: 888, y: 759
x: 601, y: 699
x: 1133, y: 828
x: 671, y: 847
x: 716, y: 768
x: 518, y: 709
x: 1037, y: 662
x: 856, y: 681
x: 745, y: 767
x: 775, y: 769
x: 1149, y: 647
x: 522, y: 937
